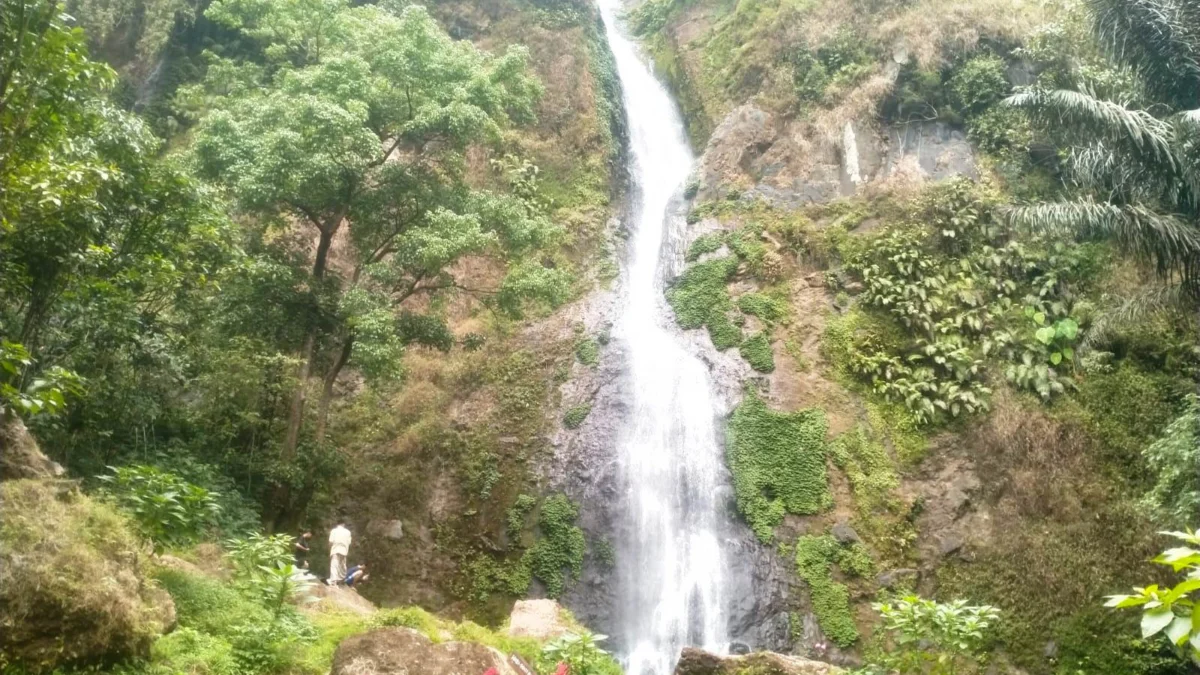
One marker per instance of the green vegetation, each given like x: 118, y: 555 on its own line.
x: 55, y: 543
x: 581, y: 653
x: 953, y: 288
x: 768, y: 307
x: 517, y: 513
x: 560, y: 548
x: 166, y: 508
x: 699, y: 298
x: 587, y: 350
x: 778, y: 463
x: 815, y: 556
x: 1171, y: 611
x: 933, y: 637
x: 704, y: 244
x: 1175, y: 498
x: 757, y: 352
x: 575, y: 415
x: 871, y: 473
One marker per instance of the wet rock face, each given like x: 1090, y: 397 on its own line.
x: 699, y: 662
x: 388, y: 651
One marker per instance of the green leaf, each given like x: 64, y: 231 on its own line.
x: 1155, y: 620
x: 1056, y: 358
x: 1045, y: 335
x: 1179, y: 629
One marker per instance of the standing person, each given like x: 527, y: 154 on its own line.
x: 300, y: 550
x: 339, y: 547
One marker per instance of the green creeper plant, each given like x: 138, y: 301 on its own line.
x: 1171, y: 611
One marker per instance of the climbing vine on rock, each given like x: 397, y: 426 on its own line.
x: 778, y: 463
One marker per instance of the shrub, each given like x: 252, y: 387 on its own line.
x: 778, y: 463
x: 815, y: 555
x: 166, y: 508
x: 250, y: 554
x: 71, y: 585
x: 581, y: 653
x: 757, y: 352
x: 979, y: 84
x: 1174, y: 461
x: 935, y: 638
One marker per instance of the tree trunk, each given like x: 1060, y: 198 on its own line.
x: 327, y: 388
x: 308, y: 354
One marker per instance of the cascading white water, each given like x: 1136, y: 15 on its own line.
x: 670, y: 562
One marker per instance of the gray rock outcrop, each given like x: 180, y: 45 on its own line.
x: 388, y: 651
x: 699, y: 662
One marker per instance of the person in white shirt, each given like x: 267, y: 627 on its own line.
x: 339, y: 547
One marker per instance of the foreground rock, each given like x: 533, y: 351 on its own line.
x: 73, y: 590
x: 395, y: 651
x: 340, y: 598
x: 20, y: 456
x: 538, y: 619
x: 699, y: 662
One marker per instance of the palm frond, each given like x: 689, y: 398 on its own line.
x: 1129, y: 311
x: 1157, y: 39
x: 1088, y: 117
x: 1124, y: 177
x: 1170, y: 242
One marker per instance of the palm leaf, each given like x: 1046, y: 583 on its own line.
x: 1131, y: 310
x: 1157, y: 39
x: 1083, y: 115
x: 1169, y: 241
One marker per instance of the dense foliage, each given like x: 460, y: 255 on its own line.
x: 778, y: 463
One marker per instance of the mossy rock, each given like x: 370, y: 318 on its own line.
x: 72, y: 588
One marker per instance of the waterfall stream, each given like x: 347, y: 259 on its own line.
x: 671, y: 566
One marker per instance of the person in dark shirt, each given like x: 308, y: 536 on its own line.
x: 357, y: 575
x: 300, y: 550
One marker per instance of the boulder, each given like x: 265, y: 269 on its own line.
x: 341, y: 598
x: 699, y: 662
x: 844, y: 534
x: 403, y: 651
x: 73, y: 589
x: 20, y: 456
x: 900, y: 578
x: 538, y: 619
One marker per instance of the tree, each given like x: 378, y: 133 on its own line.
x: 1173, y: 612
x: 356, y: 119
x: 1132, y: 145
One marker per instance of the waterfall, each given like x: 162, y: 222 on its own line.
x: 670, y: 564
